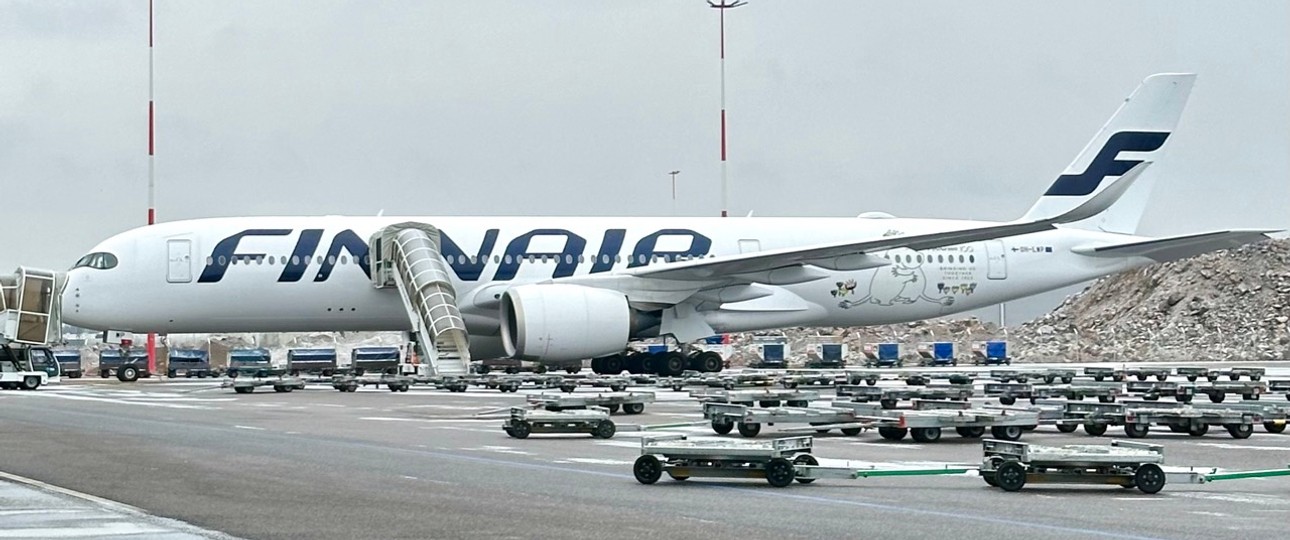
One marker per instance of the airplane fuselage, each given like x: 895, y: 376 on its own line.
x: 302, y: 274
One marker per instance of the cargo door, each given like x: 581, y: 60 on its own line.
x: 996, y: 257
x: 179, y: 254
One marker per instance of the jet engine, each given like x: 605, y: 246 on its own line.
x: 558, y: 322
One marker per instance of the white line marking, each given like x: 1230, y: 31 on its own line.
x: 250, y: 427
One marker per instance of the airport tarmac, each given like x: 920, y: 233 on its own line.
x: 324, y: 464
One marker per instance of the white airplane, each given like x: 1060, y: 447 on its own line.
x: 561, y: 289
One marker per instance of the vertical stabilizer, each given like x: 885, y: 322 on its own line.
x: 1135, y: 133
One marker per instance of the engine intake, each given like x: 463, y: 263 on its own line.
x: 557, y: 322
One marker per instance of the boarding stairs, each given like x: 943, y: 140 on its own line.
x: 30, y: 302
x: 406, y: 256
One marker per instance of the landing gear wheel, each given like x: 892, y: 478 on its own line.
x: 1007, y: 433
x: 1149, y: 478
x: 612, y: 365
x: 926, y: 435
x: 647, y: 469
x: 1010, y: 476
x: 805, y: 459
x: 970, y: 432
x: 633, y: 408
x: 1067, y: 428
x: 521, y: 430
x: 710, y: 362
x: 722, y: 428
x: 780, y: 472
x: 892, y: 433
x: 604, y: 430
x: 1095, y: 430
x: 749, y: 430
x: 671, y: 364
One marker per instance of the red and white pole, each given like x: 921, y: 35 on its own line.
x: 152, y: 181
x: 721, y: 8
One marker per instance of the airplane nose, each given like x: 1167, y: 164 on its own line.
x: 76, y: 306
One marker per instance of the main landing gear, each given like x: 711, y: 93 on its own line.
x: 668, y: 364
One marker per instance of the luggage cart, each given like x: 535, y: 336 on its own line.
x: 1011, y: 465
x: 923, y: 378
x: 1194, y: 373
x: 769, y: 397
x: 349, y: 382
x: 1154, y: 390
x: 1143, y: 373
x: 1280, y: 387
x: 726, y: 417
x: 889, y: 398
x: 1218, y: 391
x: 524, y: 422
x: 1251, y: 373
x: 1100, y: 374
x: 279, y: 381
x: 629, y: 402
x: 793, y: 380
x: 928, y: 418
x: 1274, y: 416
x: 867, y: 376
x: 1019, y: 375
x: 1138, y: 417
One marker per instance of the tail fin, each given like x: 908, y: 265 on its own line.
x: 1135, y: 133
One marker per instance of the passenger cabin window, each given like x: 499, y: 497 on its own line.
x: 99, y: 261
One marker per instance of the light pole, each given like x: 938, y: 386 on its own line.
x: 152, y: 182
x: 721, y: 7
x: 674, y: 173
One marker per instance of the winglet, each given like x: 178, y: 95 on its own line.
x: 1100, y: 202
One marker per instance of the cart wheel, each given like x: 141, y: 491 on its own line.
x: 769, y: 403
x: 872, y: 382
x: 722, y: 427
x: 1007, y: 400
x: 244, y: 389
x: 1250, y: 397
x: 1067, y: 428
x: 604, y: 430
x: 805, y: 459
x: 926, y: 435
x: 279, y: 388
x: 1197, y: 430
x: 798, y: 404
x: 1048, y: 379
x: 1217, y: 397
x: 647, y: 469
x: 508, y: 430
x: 1068, y: 380
x: 1098, y: 378
x: 790, y: 384
x: 1007, y: 433
x: 1162, y: 377
x: 127, y: 374
x: 522, y: 429
x: 677, y: 477
x: 633, y: 408
x: 1106, y: 399
x: 749, y: 430
x: 1142, y: 376
x: 1096, y: 430
x: 989, y: 478
x: 30, y: 383
x: 975, y: 432
x: 1240, y: 431
x: 1276, y: 426
x: 888, y: 403
x: 613, y: 408
x: 617, y: 387
x: 1149, y: 478
x: 892, y: 433
x: 1177, y: 428
x: 1191, y: 378
x: 780, y: 472
x: 393, y: 387
x: 1136, y: 431
x: 850, y: 431
x: 1010, y: 476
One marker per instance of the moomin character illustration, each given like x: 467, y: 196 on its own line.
x: 901, y: 283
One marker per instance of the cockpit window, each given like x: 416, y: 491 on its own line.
x: 101, y: 260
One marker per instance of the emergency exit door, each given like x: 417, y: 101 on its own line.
x: 179, y: 254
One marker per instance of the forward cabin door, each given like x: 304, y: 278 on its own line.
x: 179, y: 257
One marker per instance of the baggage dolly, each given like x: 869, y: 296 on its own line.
x: 769, y: 397
x: 524, y: 422
x: 820, y: 378
x: 1235, y: 373
x: 630, y: 402
x: 1138, y: 417
x: 1102, y: 373
x: 726, y: 417
x: 1154, y: 390
x: 1217, y: 391
x: 889, y: 398
x: 1280, y: 387
x: 923, y: 378
x: 1143, y: 373
x: 928, y: 418
x: 280, y: 383
x: 1194, y: 373
x: 349, y: 382
x: 1274, y: 416
x: 1019, y: 375
x: 1011, y: 465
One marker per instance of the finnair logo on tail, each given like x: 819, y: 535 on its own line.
x: 1106, y: 163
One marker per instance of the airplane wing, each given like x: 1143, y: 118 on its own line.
x: 1177, y: 247
x: 854, y: 255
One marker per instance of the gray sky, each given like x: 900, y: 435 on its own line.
x: 921, y: 109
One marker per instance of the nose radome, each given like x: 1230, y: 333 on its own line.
x: 75, y: 308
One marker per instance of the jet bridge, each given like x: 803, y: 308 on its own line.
x: 406, y: 256
x: 29, y: 307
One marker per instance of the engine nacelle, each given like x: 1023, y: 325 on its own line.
x: 559, y: 322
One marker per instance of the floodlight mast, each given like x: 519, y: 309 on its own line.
x: 721, y: 7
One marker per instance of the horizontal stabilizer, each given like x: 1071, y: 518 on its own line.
x: 1178, y: 247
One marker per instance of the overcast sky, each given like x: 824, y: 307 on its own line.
x: 920, y: 109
